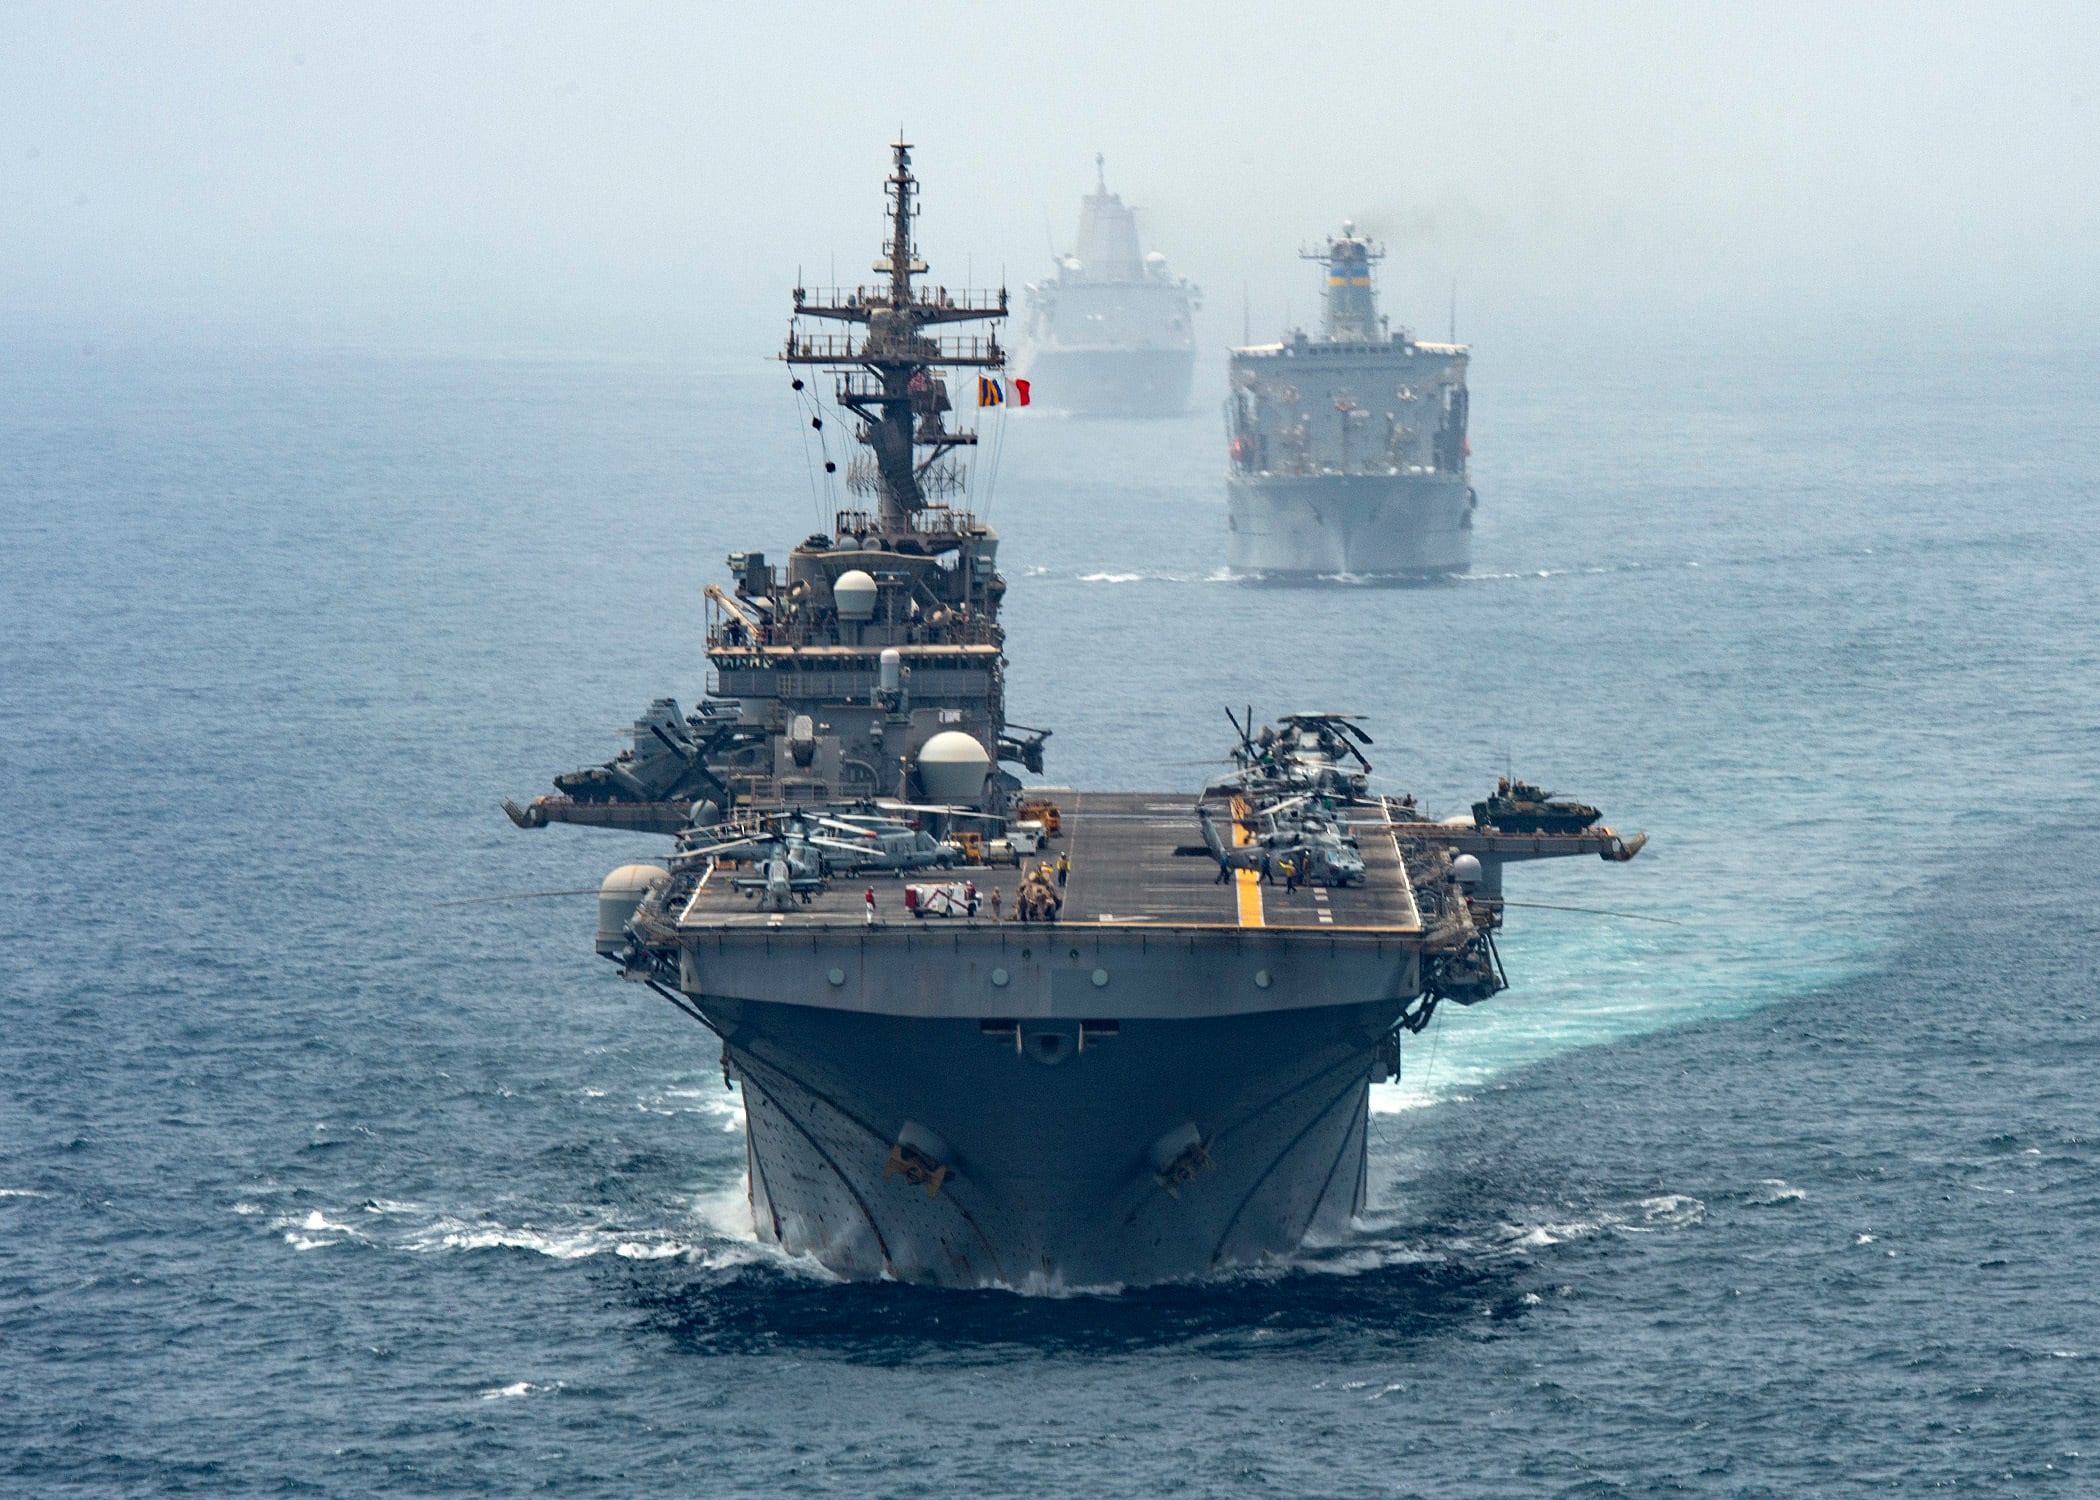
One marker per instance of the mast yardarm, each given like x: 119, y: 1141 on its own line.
x: 886, y: 374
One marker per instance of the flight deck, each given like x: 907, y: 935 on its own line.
x: 1137, y: 860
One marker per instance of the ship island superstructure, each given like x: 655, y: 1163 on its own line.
x: 1112, y: 331
x: 1152, y: 1058
x: 1348, y: 450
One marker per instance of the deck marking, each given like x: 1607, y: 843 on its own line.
x: 1247, y: 881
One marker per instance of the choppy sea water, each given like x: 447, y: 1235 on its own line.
x: 312, y: 1184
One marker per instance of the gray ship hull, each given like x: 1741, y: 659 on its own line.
x: 1051, y: 1182
x: 1110, y: 382
x: 1361, y: 525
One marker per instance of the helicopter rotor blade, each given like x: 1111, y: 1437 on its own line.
x: 715, y: 851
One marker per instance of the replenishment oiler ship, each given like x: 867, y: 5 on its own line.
x: 993, y: 1034
x: 1112, y: 333
x: 1348, y: 451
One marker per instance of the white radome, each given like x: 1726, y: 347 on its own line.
x: 854, y: 594
x: 952, y: 767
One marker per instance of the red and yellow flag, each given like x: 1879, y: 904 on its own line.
x: 992, y: 392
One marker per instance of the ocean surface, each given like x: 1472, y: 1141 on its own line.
x: 1780, y: 1178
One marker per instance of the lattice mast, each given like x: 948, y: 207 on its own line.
x: 886, y: 375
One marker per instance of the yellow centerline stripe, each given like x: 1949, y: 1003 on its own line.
x: 1247, y: 881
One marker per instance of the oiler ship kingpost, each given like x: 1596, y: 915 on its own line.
x: 1151, y: 1064
x: 1348, y: 451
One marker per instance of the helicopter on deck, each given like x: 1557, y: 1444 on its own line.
x: 879, y: 841
x: 1309, y: 753
x: 798, y: 852
x: 1296, y: 830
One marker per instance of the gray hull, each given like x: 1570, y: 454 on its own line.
x: 1052, y: 1147
x: 1366, y: 525
x: 1111, y: 382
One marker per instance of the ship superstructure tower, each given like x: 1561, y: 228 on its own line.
x: 870, y: 664
x: 1348, y: 451
x: 1111, y: 333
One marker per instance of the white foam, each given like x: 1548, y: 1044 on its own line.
x: 1773, y: 1190
x: 575, y: 1243
x: 516, y: 1389
x: 716, y: 1102
x: 1539, y: 1236
x: 1670, y: 1211
x: 1111, y: 577
x: 725, y: 1211
x: 22, y: 1193
x: 314, y: 1232
x: 1399, y: 1098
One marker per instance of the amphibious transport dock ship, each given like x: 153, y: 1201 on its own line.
x: 1140, y: 1049
x: 1348, y: 451
x: 1112, y: 333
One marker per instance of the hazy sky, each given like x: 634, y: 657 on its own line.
x: 607, y: 178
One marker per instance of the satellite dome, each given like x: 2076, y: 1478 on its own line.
x: 618, y: 897
x: 952, y: 767
x: 854, y: 594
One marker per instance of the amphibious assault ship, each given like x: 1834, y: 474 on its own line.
x: 1151, y: 1063
x: 1111, y: 334
x: 1348, y: 451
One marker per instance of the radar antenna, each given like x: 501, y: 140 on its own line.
x: 886, y: 374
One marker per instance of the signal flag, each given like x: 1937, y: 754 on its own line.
x: 992, y: 392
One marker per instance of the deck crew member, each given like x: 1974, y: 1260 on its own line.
x: 870, y: 899
x: 1064, y: 868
